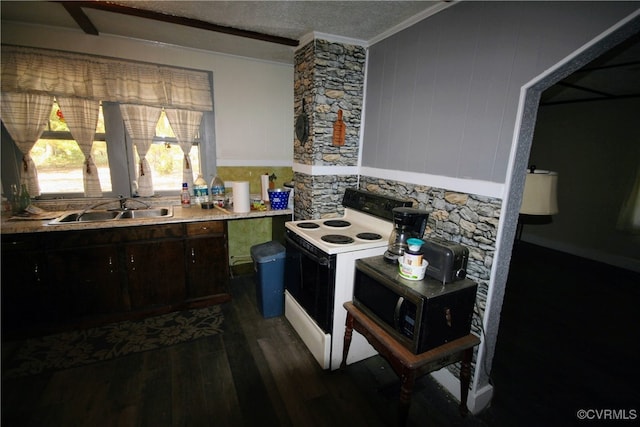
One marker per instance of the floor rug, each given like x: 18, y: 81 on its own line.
x: 82, y: 347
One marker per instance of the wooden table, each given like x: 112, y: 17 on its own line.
x: 407, y: 365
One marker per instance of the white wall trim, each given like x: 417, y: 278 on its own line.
x: 469, y: 186
x: 325, y: 170
x: 255, y: 162
x: 304, y: 40
x: 411, y: 21
x: 477, y: 399
x: 620, y: 261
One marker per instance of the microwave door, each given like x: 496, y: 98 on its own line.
x: 396, y: 314
x: 404, y: 317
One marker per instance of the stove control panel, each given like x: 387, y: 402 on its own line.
x: 372, y: 203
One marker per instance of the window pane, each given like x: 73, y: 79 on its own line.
x: 58, y: 124
x: 56, y: 120
x: 165, y: 161
x: 60, y: 162
x: 163, y: 128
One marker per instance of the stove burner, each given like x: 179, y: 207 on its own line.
x: 369, y: 236
x: 337, y: 223
x: 337, y: 239
x: 307, y: 225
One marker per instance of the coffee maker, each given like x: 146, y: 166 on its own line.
x: 407, y: 223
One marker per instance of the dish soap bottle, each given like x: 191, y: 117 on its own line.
x: 217, y: 191
x: 185, y: 197
x: 200, y: 190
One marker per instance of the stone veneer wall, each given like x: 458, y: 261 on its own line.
x: 320, y: 196
x: 468, y: 219
x: 329, y: 77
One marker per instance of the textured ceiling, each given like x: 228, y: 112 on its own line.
x: 354, y: 20
x: 614, y: 75
x: 362, y: 20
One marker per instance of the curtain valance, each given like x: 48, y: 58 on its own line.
x: 83, y: 76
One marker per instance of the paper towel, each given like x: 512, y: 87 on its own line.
x: 241, y: 196
x: 264, y: 180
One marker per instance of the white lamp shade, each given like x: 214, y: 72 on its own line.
x: 540, y: 194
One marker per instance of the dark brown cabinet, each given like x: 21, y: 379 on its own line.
x: 27, y: 294
x: 206, y: 259
x: 59, y: 279
x: 155, y: 273
x: 91, y: 278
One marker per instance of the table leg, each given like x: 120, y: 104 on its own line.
x: 465, y: 377
x: 348, y: 330
x: 407, y: 380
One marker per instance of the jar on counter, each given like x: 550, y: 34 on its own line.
x: 413, y: 254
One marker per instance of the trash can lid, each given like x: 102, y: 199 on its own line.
x: 269, y: 251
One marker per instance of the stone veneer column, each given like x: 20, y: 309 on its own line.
x: 329, y: 77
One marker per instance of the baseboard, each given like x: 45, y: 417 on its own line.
x: 477, y: 399
x: 619, y: 261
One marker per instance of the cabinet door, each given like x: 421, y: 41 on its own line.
x: 207, y: 266
x: 26, y: 292
x: 155, y: 273
x: 92, y: 279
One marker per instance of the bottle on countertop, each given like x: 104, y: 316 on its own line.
x: 200, y: 190
x: 25, y: 198
x: 217, y: 191
x: 185, y: 197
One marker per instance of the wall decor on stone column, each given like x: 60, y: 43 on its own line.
x: 302, y: 126
x: 339, y: 131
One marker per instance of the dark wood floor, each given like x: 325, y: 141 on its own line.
x: 557, y: 351
x: 567, y: 341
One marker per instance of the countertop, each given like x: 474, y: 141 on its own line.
x: 180, y: 214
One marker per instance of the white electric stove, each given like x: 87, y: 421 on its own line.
x: 320, y: 268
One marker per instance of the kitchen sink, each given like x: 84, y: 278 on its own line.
x: 146, y: 213
x: 112, y: 215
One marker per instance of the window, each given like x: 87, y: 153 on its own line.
x: 59, y: 160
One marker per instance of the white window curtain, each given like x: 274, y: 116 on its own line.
x: 25, y: 116
x: 140, y: 122
x: 81, y: 116
x: 103, y: 79
x: 185, y: 125
x: 629, y: 216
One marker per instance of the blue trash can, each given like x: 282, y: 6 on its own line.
x: 269, y: 260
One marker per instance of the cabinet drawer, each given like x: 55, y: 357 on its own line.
x: 21, y: 242
x: 83, y: 238
x: 205, y: 227
x: 156, y: 231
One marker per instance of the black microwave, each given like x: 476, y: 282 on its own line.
x: 420, y: 314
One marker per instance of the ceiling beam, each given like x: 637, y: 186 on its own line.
x: 80, y: 17
x: 575, y: 101
x: 585, y: 89
x: 178, y: 20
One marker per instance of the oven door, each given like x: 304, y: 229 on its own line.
x: 310, y: 276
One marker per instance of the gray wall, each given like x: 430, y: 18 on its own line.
x: 595, y: 148
x: 442, y: 95
x: 442, y: 100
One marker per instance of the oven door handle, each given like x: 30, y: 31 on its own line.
x: 324, y: 261
x: 396, y: 313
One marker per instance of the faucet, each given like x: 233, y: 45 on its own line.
x: 123, y: 203
x: 121, y: 199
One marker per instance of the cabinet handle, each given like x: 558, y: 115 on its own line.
x: 36, y: 272
x: 110, y: 263
x: 133, y: 265
x: 193, y: 255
